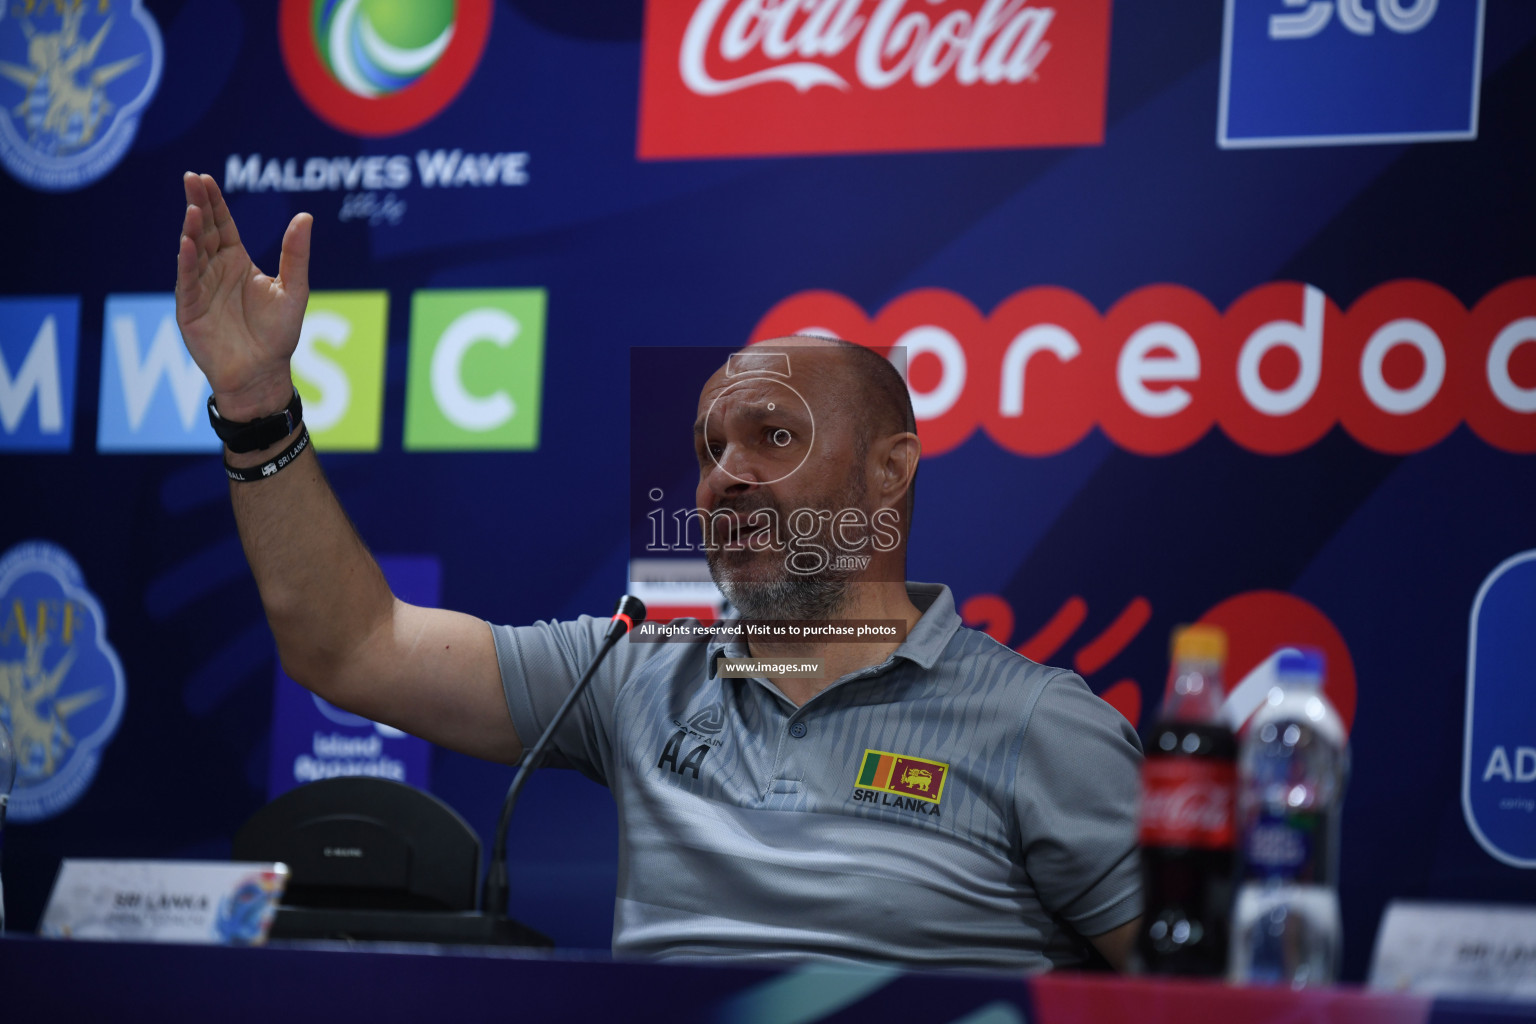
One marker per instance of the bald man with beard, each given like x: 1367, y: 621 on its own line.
x: 933, y: 799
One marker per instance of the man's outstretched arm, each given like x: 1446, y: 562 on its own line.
x: 339, y: 629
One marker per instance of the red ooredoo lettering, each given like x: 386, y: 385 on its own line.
x: 1398, y: 370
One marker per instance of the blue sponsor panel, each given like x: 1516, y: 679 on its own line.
x: 1337, y: 72
x: 39, y: 353
x: 1498, y: 786
x: 74, y: 81
x: 153, y: 396
x: 313, y: 739
x: 62, y: 689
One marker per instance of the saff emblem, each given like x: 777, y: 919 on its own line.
x: 61, y: 684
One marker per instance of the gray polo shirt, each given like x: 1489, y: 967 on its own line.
x: 957, y: 805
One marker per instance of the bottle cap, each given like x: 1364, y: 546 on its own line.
x: 1199, y: 643
x: 1301, y: 665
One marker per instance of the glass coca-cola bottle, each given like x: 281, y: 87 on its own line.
x: 1188, y: 816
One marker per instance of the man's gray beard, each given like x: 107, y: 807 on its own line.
x: 791, y: 597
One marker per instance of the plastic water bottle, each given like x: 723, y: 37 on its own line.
x: 7, y: 777
x: 1292, y: 769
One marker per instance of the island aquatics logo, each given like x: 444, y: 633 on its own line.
x: 381, y: 67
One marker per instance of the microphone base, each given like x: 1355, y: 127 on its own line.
x: 445, y: 928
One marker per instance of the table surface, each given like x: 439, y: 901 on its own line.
x: 292, y: 984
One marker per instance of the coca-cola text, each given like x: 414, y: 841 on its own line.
x: 1187, y: 802
x: 739, y: 77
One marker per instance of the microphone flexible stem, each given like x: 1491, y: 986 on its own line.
x: 496, y: 885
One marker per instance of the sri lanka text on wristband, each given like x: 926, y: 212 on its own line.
x: 251, y: 474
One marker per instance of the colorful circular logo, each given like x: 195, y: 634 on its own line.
x: 381, y: 67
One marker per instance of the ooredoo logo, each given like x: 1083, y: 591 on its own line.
x: 749, y: 77
x: 381, y: 67
x: 1399, y: 370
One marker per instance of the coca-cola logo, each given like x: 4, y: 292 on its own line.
x: 740, y: 77
x: 1188, y: 801
x: 1193, y: 807
x: 1003, y: 42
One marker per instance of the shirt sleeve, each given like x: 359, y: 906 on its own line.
x: 540, y: 665
x: 1078, y: 794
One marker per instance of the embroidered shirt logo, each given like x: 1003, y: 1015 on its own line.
x: 711, y: 720
x: 698, y: 736
x: 911, y: 778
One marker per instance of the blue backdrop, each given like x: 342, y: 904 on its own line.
x: 1375, y: 543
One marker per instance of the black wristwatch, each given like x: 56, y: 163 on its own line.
x: 257, y: 434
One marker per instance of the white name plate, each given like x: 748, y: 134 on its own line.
x: 210, y: 902
x: 1473, y: 950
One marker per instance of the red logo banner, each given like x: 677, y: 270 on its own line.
x: 1399, y: 369
x: 781, y: 77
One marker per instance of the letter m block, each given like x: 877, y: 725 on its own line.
x: 39, y: 349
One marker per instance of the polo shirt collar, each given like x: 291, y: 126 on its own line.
x: 939, y: 623
x: 924, y: 644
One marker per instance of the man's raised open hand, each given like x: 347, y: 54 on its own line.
x: 339, y: 629
x: 240, y: 325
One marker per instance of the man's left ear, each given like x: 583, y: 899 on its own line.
x: 898, y: 455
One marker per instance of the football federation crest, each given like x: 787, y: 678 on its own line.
x: 905, y: 776
x: 74, y: 79
x: 61, y: 685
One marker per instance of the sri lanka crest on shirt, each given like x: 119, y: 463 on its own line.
x: 62, y: 690
x: 900, y: 780
x: 75, y: 77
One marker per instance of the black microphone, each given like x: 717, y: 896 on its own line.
x: 493, y: 898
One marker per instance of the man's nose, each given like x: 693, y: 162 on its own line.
x: 734, y: 472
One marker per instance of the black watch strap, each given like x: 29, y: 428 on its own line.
x: 257, y: 434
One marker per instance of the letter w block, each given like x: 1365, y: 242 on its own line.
x: 152, y: 393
